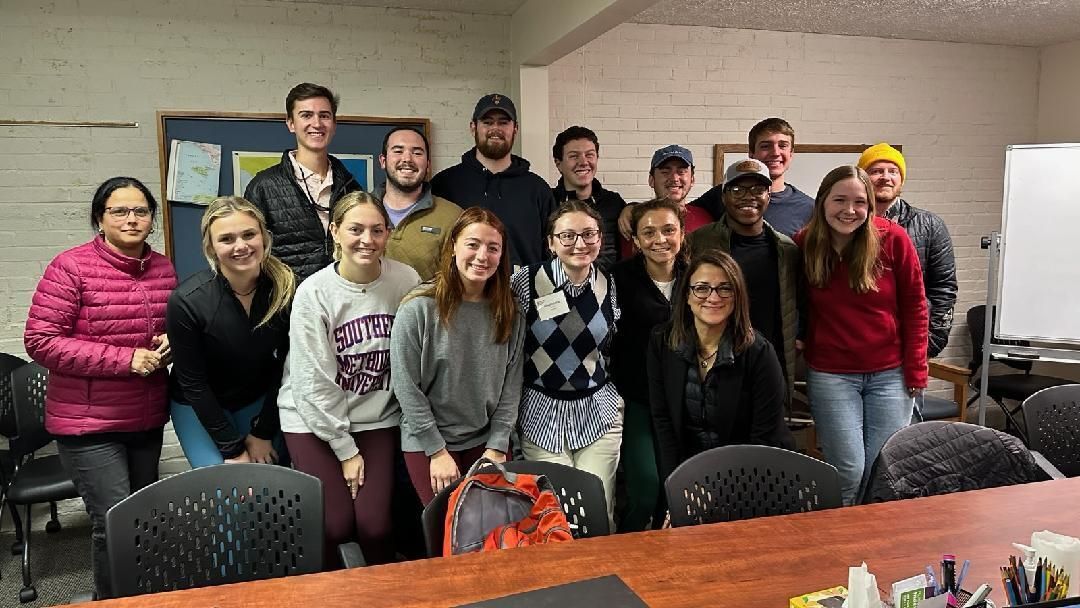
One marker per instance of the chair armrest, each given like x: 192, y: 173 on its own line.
x: 351, y: 555
x: 949, y: 371
x: 1045, y: 465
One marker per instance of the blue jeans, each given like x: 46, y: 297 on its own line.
x: 200, y: 449
x: 854, y: 415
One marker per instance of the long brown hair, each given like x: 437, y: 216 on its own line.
x: 682, y: 318
x: 819, y: 257
x: 447, y: 288
x: 281, y: 276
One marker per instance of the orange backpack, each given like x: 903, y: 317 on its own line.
x: 496, y: 509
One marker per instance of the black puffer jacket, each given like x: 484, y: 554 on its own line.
x: 299, y: 238
x: 935, y: 248
x: 932, y: 458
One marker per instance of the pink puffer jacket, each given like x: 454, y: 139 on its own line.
x: 92, y: 309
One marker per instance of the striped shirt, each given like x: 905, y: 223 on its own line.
x: 575, y: 419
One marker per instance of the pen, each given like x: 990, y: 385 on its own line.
x: 963, y: 571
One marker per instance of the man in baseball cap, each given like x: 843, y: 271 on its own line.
x: 770, y: 261
x: 887, y: 169
x: 671, y: 176
x: 489, y: 176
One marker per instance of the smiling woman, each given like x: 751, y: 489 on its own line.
x: 866, y: 342
x: 229, y: 329
x: 339, y: 419
x: 713, y: 380
x: 456, y: 356
x: 106, y: 399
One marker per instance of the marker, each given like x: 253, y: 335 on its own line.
x: 977, y: 597
x: 963, y: 572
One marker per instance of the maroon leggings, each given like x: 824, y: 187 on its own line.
x: 419, y: 465
x: 367, y: 519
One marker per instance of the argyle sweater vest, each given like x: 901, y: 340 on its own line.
x: 566, y: 353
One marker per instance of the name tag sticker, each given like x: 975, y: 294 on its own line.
x: 551, y: 306
x: 430, y: 229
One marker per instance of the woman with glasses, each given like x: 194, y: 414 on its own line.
x: 97, y: 323
x: 866, y: 337
x: 229, y: 329
x: 658, y: 232
x: 713, y: 380
x: 570, y: 411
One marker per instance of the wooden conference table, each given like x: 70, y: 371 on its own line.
x: 758, y: 562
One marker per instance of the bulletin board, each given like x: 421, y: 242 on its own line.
x: 809, y: 165
x: 255, y: 139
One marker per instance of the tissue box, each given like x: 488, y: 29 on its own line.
x: 826, y: 598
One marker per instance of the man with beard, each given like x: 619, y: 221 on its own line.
x: 671, y: 176
x: 888, y: 170
x: 420, y: 222
x: 770, y: 261
x: 297, y: 195
x: 489, y: 176
x: 576, y: 153
x: 772, y: 141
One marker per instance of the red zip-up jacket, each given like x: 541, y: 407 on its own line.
x: 853, y: 333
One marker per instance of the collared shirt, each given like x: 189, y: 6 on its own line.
x: 318, y: 189
x: 561, y: 425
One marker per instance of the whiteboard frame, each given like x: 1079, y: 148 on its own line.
x: 720, y: 150
x: 1003, y: 252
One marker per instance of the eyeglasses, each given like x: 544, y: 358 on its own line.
x: 702, y: 291
x: 569, y: 237
x: 743, y: 191
x: 122, y: 212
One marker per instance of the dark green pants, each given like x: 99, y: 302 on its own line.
x: 639, y: 466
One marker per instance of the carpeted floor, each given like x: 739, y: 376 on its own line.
x: 59, y: 563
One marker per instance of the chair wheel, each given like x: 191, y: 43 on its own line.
x: 27, y: 594
x: 16, y: 548
x: 52, y: 526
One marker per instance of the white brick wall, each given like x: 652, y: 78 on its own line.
x: 953, y: 107
x: 122, y: 60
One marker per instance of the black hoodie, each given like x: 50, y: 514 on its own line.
x: 519, y: 198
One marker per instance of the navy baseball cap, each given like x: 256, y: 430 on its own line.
x: 494, y: 101
x: 671, y: 151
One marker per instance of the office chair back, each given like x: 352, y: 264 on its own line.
x: 1052, y: 418
x: 213, y: 525
x: 744, y: 481
x: 8, y: 364
x: 28, y: 383
x: 976, y: 322
x: 932, y: 458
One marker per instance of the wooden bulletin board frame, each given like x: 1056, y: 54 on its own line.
x: 720, y: 150
x: 250, y: 131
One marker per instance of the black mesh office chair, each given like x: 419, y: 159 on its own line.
x: 581, y: 494
x: 213, y: 525
x: 932, y: 458
x: 1052, y: 418
x: 1002, y: 387
x: 744, y: 481
x: 8, y: 364
x: 35, y: 479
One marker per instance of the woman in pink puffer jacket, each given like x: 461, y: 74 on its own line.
x: 97, y: 323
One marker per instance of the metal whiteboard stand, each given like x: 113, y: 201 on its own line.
x: 993, y: 351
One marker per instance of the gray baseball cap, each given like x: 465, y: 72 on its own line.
x: 748, y: 166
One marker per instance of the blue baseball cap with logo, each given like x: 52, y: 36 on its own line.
x: 669, y: 152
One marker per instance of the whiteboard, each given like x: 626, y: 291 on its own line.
x: 808, y: 166
x: 1039, y: 272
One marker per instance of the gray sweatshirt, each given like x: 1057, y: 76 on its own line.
x: 337, y: 373
x: 457, y: 388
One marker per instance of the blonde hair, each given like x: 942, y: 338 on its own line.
x: 819, y: 257
x: 349, y: 202
x: 281, y: 276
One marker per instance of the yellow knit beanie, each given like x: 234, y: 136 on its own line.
x: 883, y: 151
